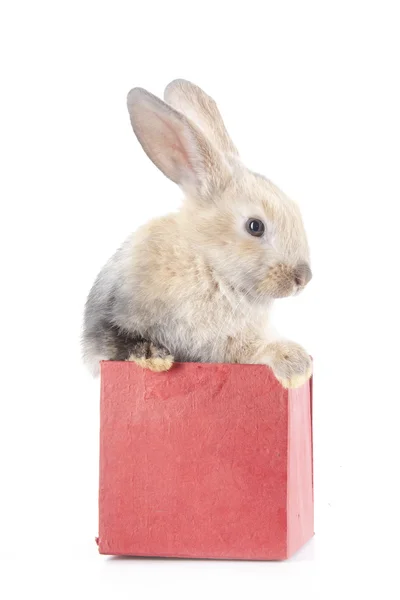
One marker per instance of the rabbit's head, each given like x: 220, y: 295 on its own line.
x: 249, y: 232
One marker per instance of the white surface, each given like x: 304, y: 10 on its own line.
x: 310, y: 93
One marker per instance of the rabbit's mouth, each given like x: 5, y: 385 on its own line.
x: 283, y: 280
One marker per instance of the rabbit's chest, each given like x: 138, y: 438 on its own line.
x: 208, y: 324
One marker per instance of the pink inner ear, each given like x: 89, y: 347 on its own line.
x: 172, y: 149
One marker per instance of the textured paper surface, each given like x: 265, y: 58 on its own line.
x: 205, y: 461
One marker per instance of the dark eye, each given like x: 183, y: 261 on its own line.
x: 255, y: 227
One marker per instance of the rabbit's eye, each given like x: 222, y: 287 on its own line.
x: 255, y: 227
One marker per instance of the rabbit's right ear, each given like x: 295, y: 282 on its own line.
x: 193, y: 102
x: 175, y: 145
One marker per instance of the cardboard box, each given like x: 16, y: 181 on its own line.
x: 204, y: 461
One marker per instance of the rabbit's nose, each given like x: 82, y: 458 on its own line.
x: 302, y: 274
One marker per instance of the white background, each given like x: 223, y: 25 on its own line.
x: 310, y: 93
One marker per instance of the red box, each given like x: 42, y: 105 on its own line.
x: 204, y: 461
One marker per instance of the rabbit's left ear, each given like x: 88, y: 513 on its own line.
x: 193, y: 102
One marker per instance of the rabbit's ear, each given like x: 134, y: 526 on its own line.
x: 202, y: 110
x: 175, y: 145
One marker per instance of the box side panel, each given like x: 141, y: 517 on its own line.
x: 300, y: 469
x: 193, y: 462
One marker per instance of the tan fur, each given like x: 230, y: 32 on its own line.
x: 279, y: 281
x: 296, y: 381
x: 154, y: 364
x: 197, y: 282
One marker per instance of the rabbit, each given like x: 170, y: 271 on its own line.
x: 198, y: 285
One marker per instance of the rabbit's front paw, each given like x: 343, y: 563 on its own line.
x: 291, y: 364
x: 150, y: 356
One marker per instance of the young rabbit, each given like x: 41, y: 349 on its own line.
x: 198, y: 285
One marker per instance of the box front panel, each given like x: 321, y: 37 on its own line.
x: 193, y: 462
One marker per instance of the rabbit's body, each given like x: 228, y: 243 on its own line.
x: 198, y: 285
x: 158, y: 288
